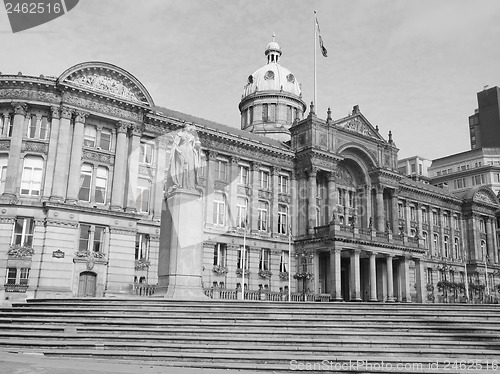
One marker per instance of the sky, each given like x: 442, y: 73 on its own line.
x: 414, y: 67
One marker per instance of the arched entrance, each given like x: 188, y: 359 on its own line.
x: 87, y: 284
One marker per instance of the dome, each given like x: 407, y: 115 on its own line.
x: 273, y: 46
x: 272, y: 77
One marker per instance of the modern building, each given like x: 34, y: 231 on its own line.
x: 85, y: 160
x: 484, y: 124
x: 415, y: 167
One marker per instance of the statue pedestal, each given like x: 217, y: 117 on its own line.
x: 181, y: 249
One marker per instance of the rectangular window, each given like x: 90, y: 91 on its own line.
x: 101, y: 182
x: 11, y: 275
x: 401, y: 211
x: 98, y: 239
x: 3, y: 172
x: 429, y: 275
x: 446, y: 218
x: 143, y: 195
x: 24, y: 275
x: 219, y: 210
x: 413, y: 213
x: 31, y: 180
x: 141, y: 246
x: 341, y: 199
x: 241, y: 212
x: 146, y: 155
x: 282, y: 219
x: 220, y: 254
x: 32, y: 127
x: 89, y: 136
x: 239, y: 263
x: 456, y: 223
x: 23, y: 232
x: 264, y: 180
x: 288, y: 114
x: 263, y: 215
x: 425, y: 219
x: 85, y: 182
x: 482, y: 225
x: 265, y: 259
x: 284, y: 261
x: 105, y: 140
x: 220, y: 170
x: 265, y: 113
x: 283, y: 184
x: 243, y: 175
x: 351, y: 199
x: 84, y: 237
x: 44, y: 128
x: 435, y: 218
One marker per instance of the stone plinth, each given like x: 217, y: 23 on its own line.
x: 180, y: 254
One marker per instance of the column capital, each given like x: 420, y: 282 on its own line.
x: 20, y: 108
x: 389, y: 256
x: 122, y: 127
x: 81, y: 116
x: 256, y: 165
x: 212, y: 155
x: 372, y: 253
x: 332, y: 175
x: 135, y: 129
x: 275, y: 170
x: 66, y: 112
x: 234, y: 160
x: 161, y: 142
x: 313, y: 171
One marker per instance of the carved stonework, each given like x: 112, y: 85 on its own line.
x: 103, y: 108
x: 343, y: 177
x: 358, y: 126
x: 59, y: 223
x: 483, y: 197
x: 146, y: 170
x: 18, y: 251
x: 5, y: 145
x: 264, y: 195
x: 20, y: 108
x: 121, y: 231
x: 284, y: 198
x: 122, y: 127
x: 55, y: 112
x: 81, y: 116
x: 135, y: 129
x: 30, y: 94
x: 106, y: 85
x: 37, y: 147
x: 244, y: 190
x: 100, y: 157
x: 66, y: 112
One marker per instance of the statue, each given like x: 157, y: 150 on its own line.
x: 185, y: 159
x: 370, y: 224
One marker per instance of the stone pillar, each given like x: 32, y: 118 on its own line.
x: 273, y: 218
x: 394, y: 210
x: 311, y: 206
x: 133, y: 168
x: 254, y: 203
x: 404, y: 266
x: 489, y: 240
x: 75, y: 165
x: 51, y: 156
x: 13, y: 164
x: 495, y: 243
x: 294, y: 205
x: 379, y: 217
x: 332, y: 198
x: 407, y: 218
x: 335, y: 272
x: 373, y: 277
x: 181, y: 251
x: 5, y: 124
x: 159, y: 183
x: 390, y: 280
x: 120, y: 168
x: 354, y: 276
x: 418, y: 207
x: 420, y: 280
x: 233, y: 189
x: 368, y: 207
x: 63, y: 156
x: 212, y: 159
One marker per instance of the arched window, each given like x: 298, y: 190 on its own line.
x: 31, y: 180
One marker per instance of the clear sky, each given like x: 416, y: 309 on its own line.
x: 414, y: 67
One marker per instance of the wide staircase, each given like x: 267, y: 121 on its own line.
x: 261, y: 336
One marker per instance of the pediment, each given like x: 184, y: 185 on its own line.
x: 360, y: 125
x: 482, y: 196
x: 107, y: 79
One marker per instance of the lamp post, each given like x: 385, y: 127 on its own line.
x: 303, y: 254
x: 466, y: 280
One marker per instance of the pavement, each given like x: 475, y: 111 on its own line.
x: 35, y: 363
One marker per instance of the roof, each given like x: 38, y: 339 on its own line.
x: 427, y: 187
x: 220, y: 127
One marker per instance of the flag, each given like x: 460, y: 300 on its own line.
x: 324, y: 52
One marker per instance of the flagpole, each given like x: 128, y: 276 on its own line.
x: 466, y: 280
x: 315, y: 41
x: 290, y: 263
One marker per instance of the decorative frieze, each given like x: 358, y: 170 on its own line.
x: 282, y: 198
x: 122, y: 231
x: 99, y: 157
x: 146, y: 171
x: 36, y: 147
x: 107, y: 85
x: 18, y: 251
x: 31, y: 95
x: 265, y: 195
x: 4, y: 145
x: 60, y: 223
x: 244, y: 190
x: 104, y: 108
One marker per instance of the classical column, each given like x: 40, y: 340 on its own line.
x: 495, y: 243
x: 390, y: 280
x: 51, y: 156
x: 335, y: 272
x: 212, y: 159
x: 159, y: 184
x: 354, y: 276
x: 63, y: 156
x: 233, y: 188
x: 274, y: 203
x: 418, y: 207
x: 380, y: 208
x: 420, y: 280
x: 368, y: 205
x: 332, y: 200
x: 133, y: 167
x: 120, y: 167
x: 5, y: 124
x: 394, y: 212
x: 13, y: 163
x: 373, y: 276
x: 489, y: 240
x: 404, y: 266
x: 311, y: 206
x: 407, y: 218
x: 75, y: 165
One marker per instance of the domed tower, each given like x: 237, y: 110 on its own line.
x: 272, y: 98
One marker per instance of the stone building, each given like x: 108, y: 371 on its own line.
x: 84, y: 161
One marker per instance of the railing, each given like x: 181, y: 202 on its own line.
x: 9, y: 287
x: 143, y: 289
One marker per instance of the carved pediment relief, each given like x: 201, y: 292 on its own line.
x: 359, y: 125
x: 483, y: 197
x: 105, y: 84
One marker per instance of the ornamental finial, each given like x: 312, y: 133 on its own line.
x: 274, y: 36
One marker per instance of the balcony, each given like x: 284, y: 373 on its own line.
x: 21, y: 288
